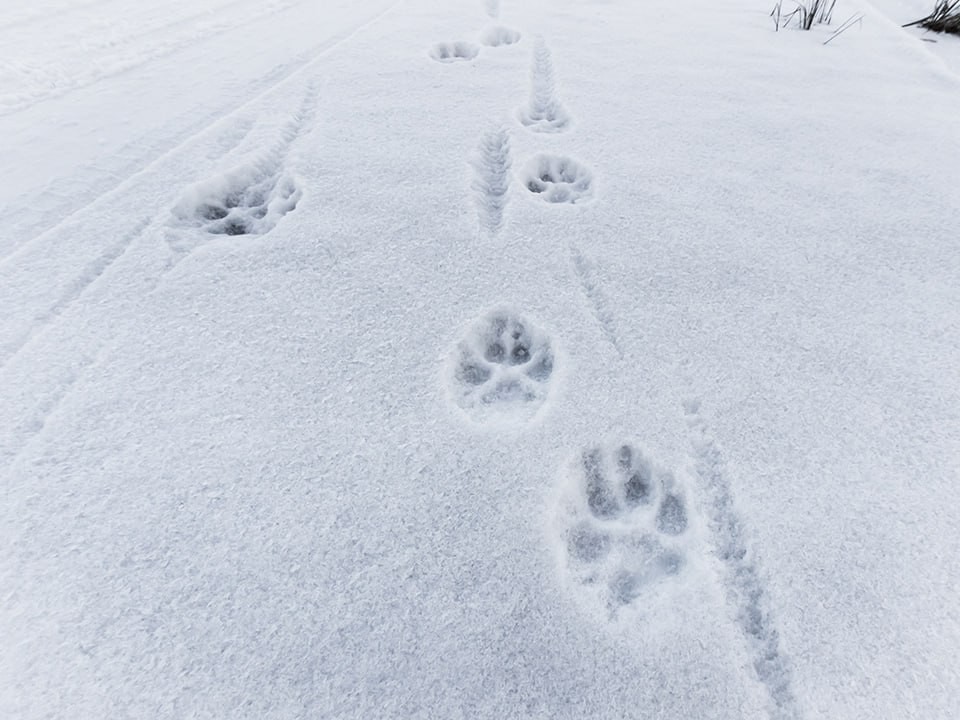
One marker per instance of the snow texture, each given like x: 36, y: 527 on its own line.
x: 477, y: 359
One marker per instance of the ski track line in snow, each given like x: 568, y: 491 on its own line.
x: 491, y: 181
x: 543, y: 113
x: 229, y: 139
x: 43, y: 402
x: 32, y: 425
x: 97, y: 268
x: 594, y: 296
x: 65, y: 212
x: 74, y: 290
x: 288, y: 71
x: 744, y: 584
x: 155, y: 52
x: 61, y: 12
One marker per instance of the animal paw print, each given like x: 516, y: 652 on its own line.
x: 448, y: 52
x: 558, y: 179
x: 623, y: 527
x: 502, y: 369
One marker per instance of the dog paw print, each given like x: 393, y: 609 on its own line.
x: 558, y: 179
x: 449, y: 52
x: 502, y: 369
x: 623, y: 527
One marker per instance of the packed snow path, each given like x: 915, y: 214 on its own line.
x: 497, y: 360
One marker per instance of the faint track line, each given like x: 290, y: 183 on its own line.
x: 91, y: 273
x: 595, y: 298
x: 302, y: 63
x: 156, y: 52
x: 743, y: 581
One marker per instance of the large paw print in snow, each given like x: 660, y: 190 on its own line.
x: 623, y: 527
x: 558, y: 179
x: 249, y: 200
x: 449, y: 52
x: 502, y: 369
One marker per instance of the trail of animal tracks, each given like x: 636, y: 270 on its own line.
x: 496, y: 360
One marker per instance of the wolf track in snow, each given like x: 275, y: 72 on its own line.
x: 251, y: 197
x: 248, y: 201
x: 492, y: 7
x: 543, y: 112
x: 502, y: 370
x: 498, y: 35
x: 449, y: 52
x: 558, y: 179
x: 623, y: 527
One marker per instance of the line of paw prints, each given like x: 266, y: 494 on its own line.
x: 623, y: 527
x: 502, y: 369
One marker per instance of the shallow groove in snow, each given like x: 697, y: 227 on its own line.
x: 543, y: 112
x: 743, y: 581
x: 491, y: 181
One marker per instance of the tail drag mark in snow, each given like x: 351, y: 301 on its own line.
x: 744, y: 585
x: 594, y: 295
x: 544, y: 113
x: 491, y: 181
x: 623, y: 528
x: 449, y: 52
x: 558, y: 179
x: 502, y: 369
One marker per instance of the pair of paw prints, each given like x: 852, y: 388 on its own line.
x: 464, y: 51
x: 622, y: 528
x: 502, y: 370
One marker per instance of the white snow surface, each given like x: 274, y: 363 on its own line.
x: 478, y: 359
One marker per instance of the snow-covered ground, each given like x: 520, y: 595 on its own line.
x: 479, y: 359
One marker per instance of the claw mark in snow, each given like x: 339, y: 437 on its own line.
x: 598, y: 303
x: 491, y: 181
x: 544, y: 112
x: 744, y: 586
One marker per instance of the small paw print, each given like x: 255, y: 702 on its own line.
x: 502, y: 368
